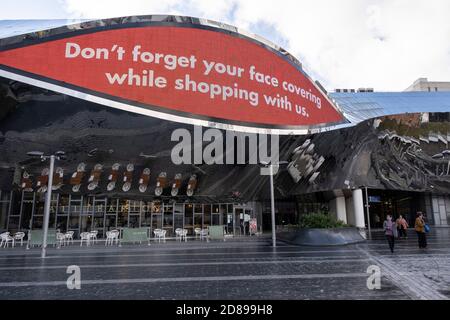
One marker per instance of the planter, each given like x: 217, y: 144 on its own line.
x: 322, y: 237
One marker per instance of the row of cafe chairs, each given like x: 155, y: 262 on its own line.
x: 112, y: 237
x: 6, y: 238
x: 160, y: 234
x: 64, y: 238
x: 181, y: 234
x: 88, y: 237
x: 201, y: 233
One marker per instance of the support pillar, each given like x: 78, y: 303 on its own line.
x: 358, y: 208
x: 337, y: 207
x: 350, y: 213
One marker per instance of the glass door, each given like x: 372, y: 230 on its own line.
x: 248, y: 215
x: 74, y: 214
x: 238, y: 227
x: 111, y: 214
x: 99, y: 216
x: 242, y: 216
x: 134, y: 220
x: 228, y: 220
x: 62, y: 213
x: 188, y: 218
x: 168, y: 219
x: 156, y: 209
x: 146, y: 214
x: 215, y: 215
x: 178, y: 216
x: 87, y: 214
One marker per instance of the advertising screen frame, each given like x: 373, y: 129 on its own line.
x: 94, y: 26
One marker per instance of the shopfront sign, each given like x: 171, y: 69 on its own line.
x: 135, y: 235
x: 190, y: 74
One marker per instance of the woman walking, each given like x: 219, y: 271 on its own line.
x: 419, y: 226
x: 390, y: 230
x: 402, y: 226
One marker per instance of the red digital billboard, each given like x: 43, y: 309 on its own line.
x: 177, y: 73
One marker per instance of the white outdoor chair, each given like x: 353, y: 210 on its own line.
x: 68, y: 237
x: 160, y: 234
x: 204, y: 234
x: 5, y: 239
x: 60, y: 237
x: 178, y: 233
x: 112, y: 236
x: 108, y: 238
x: 86, y: 236
x: 156, y: 232
x: 183, y: 234
x: 94, y: 234
x: 197, y: 232
x: 19, y: 236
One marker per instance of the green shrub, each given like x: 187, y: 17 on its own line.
x: 320, y: 220
x: 414, y: 131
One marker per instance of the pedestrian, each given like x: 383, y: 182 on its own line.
x: 390, y: 230
x: 377, y: 220
x: 402, y: 226
x: 419, y: 226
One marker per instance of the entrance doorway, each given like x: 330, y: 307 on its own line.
x: 395, y: 203
x: 241, y: 220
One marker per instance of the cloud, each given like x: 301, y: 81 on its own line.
x: 99, y: 9
x: 385, y: 44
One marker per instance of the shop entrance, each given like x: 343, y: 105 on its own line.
x: 395, y: 203
x: 242, y: 216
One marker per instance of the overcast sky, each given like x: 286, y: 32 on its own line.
x: 384, y: 44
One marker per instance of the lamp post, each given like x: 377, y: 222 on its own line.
x: 272, y: 198
x: 368, y: 214
x: 48, y: 196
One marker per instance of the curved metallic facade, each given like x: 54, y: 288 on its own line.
x: 373, y: 150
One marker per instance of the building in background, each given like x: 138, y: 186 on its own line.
x: 422, y: 84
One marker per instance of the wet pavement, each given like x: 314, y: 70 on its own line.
x: 242, y: 268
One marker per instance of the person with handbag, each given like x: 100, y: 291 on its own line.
x: 390, y: 230
x: 402, y: 226
x: 420, y: 226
